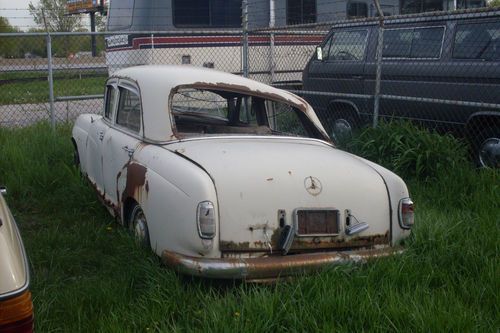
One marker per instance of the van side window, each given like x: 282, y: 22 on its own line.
x: 348, y: 45
x: 129, y: 110
x: 477, y: 41
x: 413, y: 43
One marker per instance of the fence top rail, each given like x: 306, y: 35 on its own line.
x: 406, y: 18
x: 114, y: 33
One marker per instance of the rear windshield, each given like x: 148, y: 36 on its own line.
x: 201, y: 112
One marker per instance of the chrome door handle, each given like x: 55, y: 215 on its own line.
x: 101, y: 135
x: 130, y: 151
x: 357, y: 77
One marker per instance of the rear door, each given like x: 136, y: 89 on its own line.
x: 122, y: 139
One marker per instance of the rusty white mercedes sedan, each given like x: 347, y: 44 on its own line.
x: 225, y: 177
x: 16, y: 307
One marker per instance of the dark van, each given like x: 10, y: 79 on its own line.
x: 441, y: 70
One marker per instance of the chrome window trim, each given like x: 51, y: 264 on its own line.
x: 419, y: 27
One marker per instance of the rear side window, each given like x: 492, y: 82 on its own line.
x: 477, y: 41
x: 347, y: 45
x: 129, y: 110
x: 413, y: 43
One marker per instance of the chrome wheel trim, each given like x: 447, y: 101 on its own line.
x: 489, y: 153
x: 341, y: 130
x: 139, y: 226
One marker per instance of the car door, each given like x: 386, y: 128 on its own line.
x: 96, y: 134
x: 121, y: 140
x: 342, y: 68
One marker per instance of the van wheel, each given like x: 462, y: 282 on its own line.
x: 138, y: 226
x: 342, y: 127
x: 488, y: 148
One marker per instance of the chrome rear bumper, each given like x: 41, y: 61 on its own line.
x: 268, y: 267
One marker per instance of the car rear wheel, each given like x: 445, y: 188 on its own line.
x: 138, y: 226
x: 488, y: 148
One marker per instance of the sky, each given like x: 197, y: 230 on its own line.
x: 17, y: 13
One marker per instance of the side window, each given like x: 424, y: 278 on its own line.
x: 356, y: 9
x: 397, y: 43
x: 413, y: 43
x: 109, y: 108
x: 325, y: 50
x: 426, y: 42
x: 129, y: 110
x: 284, y: 118
x: 300, y: 11
x: 477, y: 41
x: 348, y: 45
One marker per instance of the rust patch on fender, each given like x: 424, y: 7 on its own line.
x: 136, y: 179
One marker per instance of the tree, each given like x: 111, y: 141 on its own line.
x: 494, y: 3
x: 5, y: 25
x: 9, y: 46
x: 52, y: 14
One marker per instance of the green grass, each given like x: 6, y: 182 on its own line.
x: 88, y: 275
x: 38, y: 91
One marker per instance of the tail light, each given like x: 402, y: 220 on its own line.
x: 406, y: 213
x: 205, y: 216
x: 16, y: 314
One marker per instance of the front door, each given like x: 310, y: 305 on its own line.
x: 95, y: 144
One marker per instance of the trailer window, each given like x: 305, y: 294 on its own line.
x: 300, y: 11
x: 120, y: 14
x: 357, y: 9
x: 207, y: 13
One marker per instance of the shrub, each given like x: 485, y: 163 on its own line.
x: 409, y: 150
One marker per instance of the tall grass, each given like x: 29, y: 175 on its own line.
x: 88, y: 275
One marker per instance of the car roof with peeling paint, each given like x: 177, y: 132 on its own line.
x: 156, y: 83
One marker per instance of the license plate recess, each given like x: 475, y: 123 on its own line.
x: 317, y: 222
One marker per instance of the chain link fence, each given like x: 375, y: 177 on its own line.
x: 440, y: 70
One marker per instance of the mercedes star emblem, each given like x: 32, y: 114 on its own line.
x: 313, y: 185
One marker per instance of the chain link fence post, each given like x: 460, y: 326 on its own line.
x: 245, y: 36
x: 378, y: 59
x: 51, y: 81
